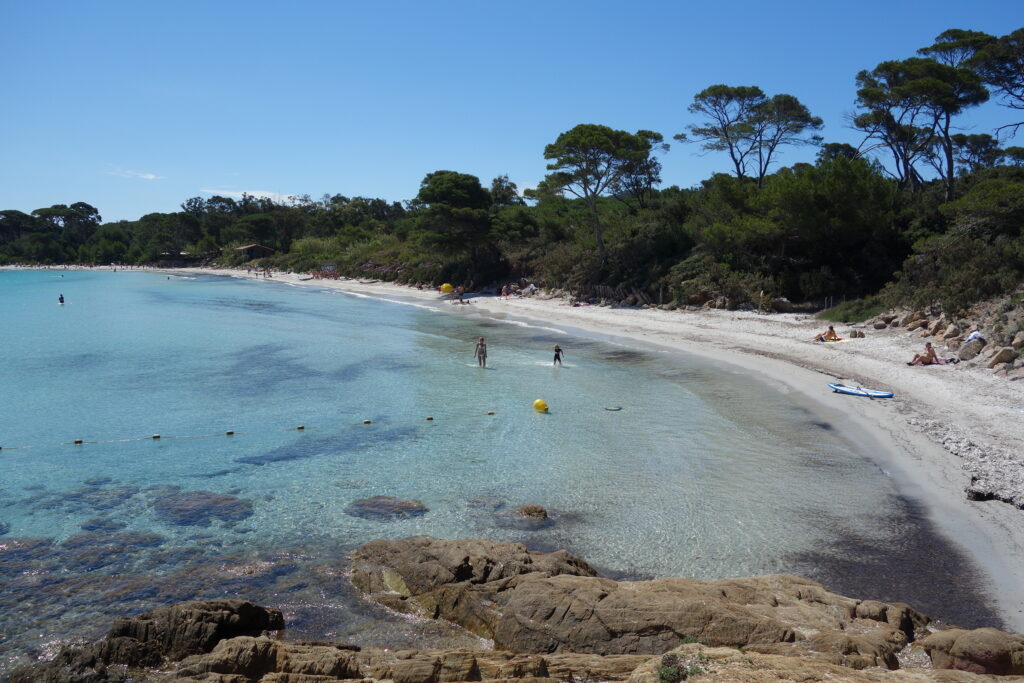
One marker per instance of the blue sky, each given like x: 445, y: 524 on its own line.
x: 135, y: 106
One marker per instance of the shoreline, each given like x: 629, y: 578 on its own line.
x: 923, y: 438
x: 777, y: 348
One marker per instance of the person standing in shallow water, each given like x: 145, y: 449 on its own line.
x: 481, y: 353
x: 558, y: 355
x: 60, y: 299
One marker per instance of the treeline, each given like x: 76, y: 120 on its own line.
x: 919, y: 213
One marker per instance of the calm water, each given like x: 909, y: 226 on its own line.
x: 704, y: 472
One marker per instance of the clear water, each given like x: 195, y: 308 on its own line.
x: 704, y: 471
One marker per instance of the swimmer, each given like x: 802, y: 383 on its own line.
x: 480, y: 353
x: 558, y: 355
x: 60, y: 299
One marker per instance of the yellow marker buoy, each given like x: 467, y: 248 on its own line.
x: 541, y: 405
x: 446, y: 287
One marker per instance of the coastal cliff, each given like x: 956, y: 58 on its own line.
x: 550, y: 618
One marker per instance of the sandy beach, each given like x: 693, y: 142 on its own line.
x: 945, y: 423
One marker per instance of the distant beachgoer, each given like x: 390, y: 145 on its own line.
x: 926, y: 358
x: 504, y: 291
x: 60, y: 299
x: 558, y: 355
x: 827, y: 335
x: 481, y: 353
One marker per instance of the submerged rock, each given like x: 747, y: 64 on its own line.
x: 200, y: 508
x: 533, y: 511
x: 386, y: 508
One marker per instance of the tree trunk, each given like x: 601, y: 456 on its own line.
x: 598, y: 232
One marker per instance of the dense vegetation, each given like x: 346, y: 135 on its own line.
x: 918, y: 213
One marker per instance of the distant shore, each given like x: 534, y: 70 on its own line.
x: 944, y: 422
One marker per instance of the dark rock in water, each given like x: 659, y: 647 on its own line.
x: 200, y: 508
x: 183, y: 629
x: 98, y: 481
x: 4, y: 528
x: 26, y: 549
x: 101, y: 525
x: 150, y: 639
x: 486, y: 503
x: 384, y: 508
x: 97, y: 497
x: 533, y: 511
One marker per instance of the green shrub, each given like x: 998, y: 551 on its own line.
x: 854, y: 311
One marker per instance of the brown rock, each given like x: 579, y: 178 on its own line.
x: 880, y: 325
x: 950, y: 332
x: 916, y: 324
x: 1018, y: 341
x: 982, y: 651
x: 1006, y: 354
x: 183, y: 629
x: 911, y: 318
x: 724, y: 665
x: 971, y: 349
x: 533, y: 511
x: 538, y: 603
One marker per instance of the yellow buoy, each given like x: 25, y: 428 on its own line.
x: 541, y: 405
x: 446, y: 287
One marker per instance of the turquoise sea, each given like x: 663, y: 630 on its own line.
x: 705, y: 471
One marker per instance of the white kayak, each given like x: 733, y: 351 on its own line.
x: 858, y: 391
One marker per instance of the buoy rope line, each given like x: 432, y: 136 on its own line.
x: 234, y: 432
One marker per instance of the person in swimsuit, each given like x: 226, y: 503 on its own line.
x: 481, y: 353
x: 926, y: 358
x: 558, y: 355
x: 60, y: 299
x: 827, y: 335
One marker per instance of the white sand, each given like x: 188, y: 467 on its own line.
x: 944, y: 423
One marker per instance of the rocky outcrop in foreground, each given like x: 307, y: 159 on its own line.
x: 551, y: 619
x: 536, y: 602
